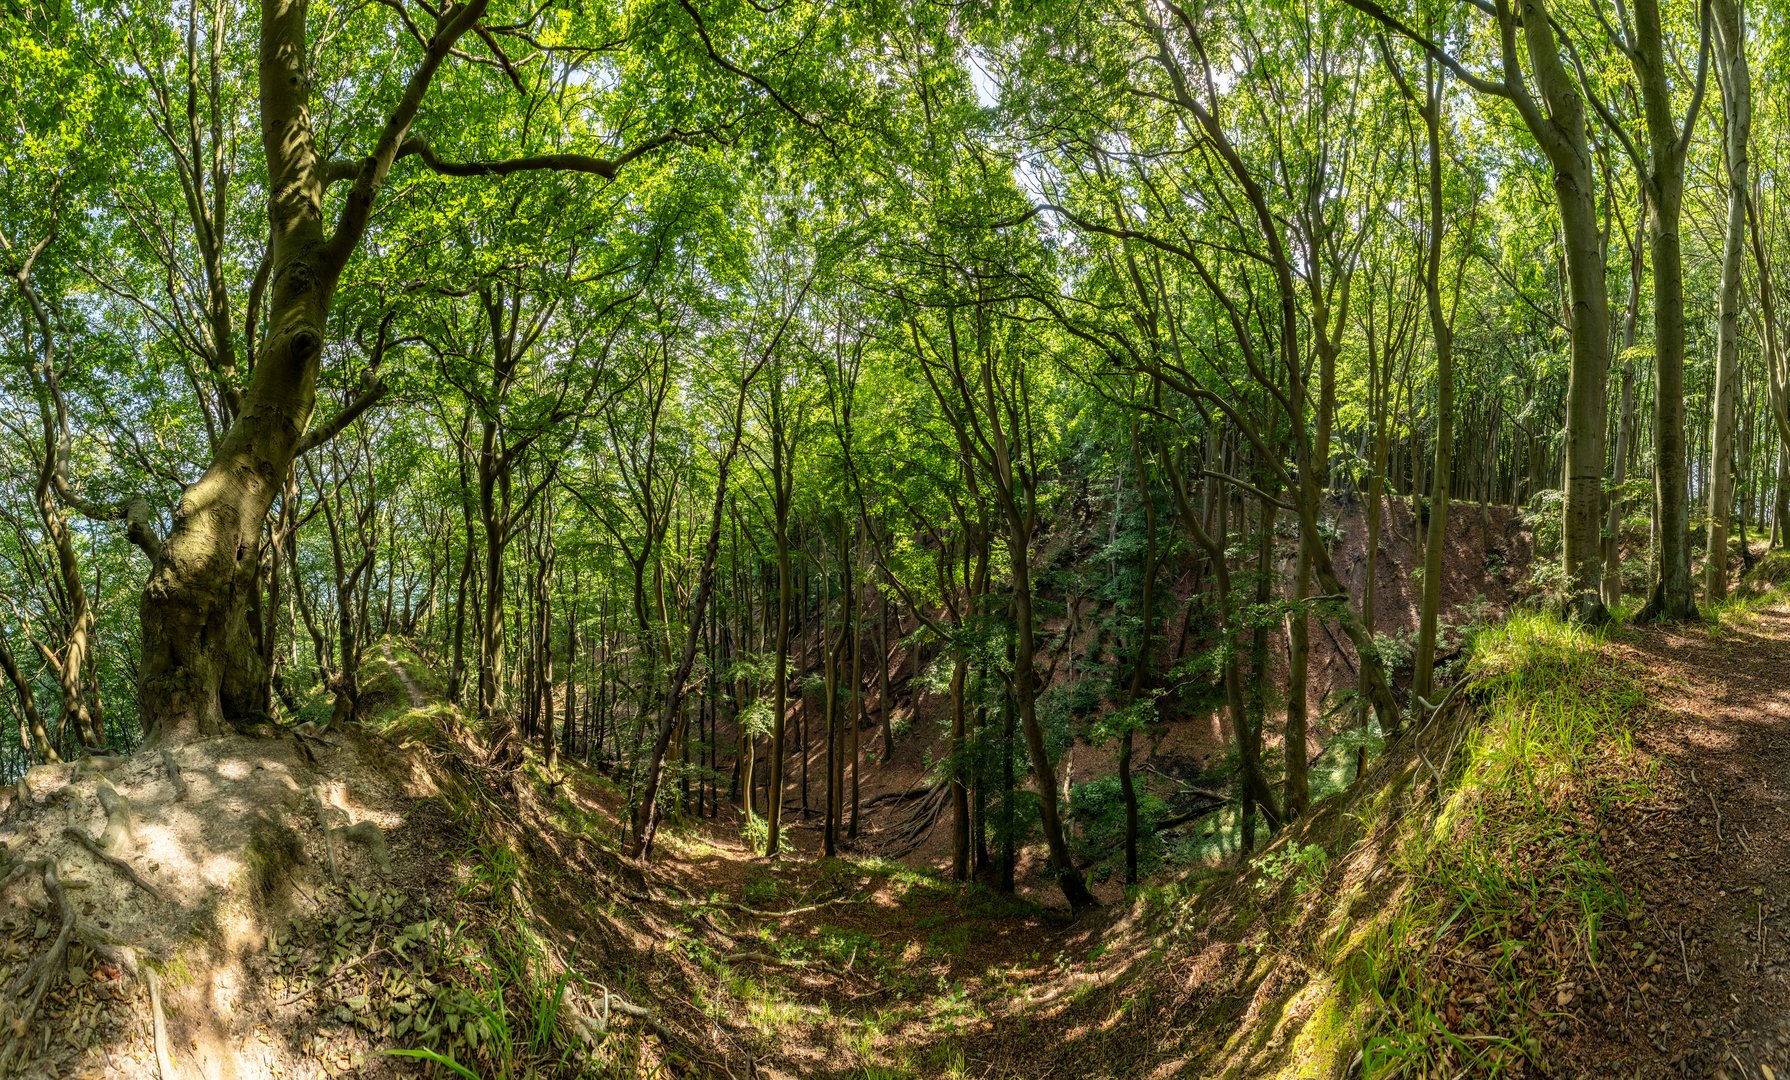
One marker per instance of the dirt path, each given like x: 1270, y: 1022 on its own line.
x: 1698, y: 984
x: 418, y: 699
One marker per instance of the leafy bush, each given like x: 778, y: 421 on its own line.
x: 1098, y: 808
x: 1303, y: 864
x: 1542, y: 518
x: 1397, y: 650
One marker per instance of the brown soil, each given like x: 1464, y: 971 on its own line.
x: 1488, y: 552
x: 1698, y: 982
x: 237, y: 852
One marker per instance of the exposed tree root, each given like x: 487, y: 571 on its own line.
x: 910, y: 832
x: 164, y: 1061
x: 120, y: 819
x: 899, y: 796
x: 304, y: 751
x: 329, y: 844
x: 41, y: 973
x: 590, y: 1024
x: 93, y: 848
x: 91, y: 765
x: 174, y: 775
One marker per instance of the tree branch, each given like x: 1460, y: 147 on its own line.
x: 350, y: 412
x: 604, y: 167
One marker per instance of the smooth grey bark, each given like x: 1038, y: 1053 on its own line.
x: 1668, y: 142
x: 1442, y: 334
x: 1626, y: 418
x: 1557, y: 121
x: 1737, y: 114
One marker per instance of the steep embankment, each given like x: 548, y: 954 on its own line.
x: 1576, y: 868
x: 377, y: 902
x: 1182, y: 758
x: 283, y: 904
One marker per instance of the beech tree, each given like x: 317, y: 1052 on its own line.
x: 749, y: 404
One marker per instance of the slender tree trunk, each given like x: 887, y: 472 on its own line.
x: 855, y: 707
x: 1141, y: 658
x: 960, y: 808
x: 780, y: 691
x: 1674, y: 593
x: 1443, y: 334
x: 885, y: 707
x: 646, y: 814
x: 1737, y: 107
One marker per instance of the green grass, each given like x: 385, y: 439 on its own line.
x: 1513, y: 856
x: 1740, y: 609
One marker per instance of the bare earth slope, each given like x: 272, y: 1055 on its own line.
x: 311, y: 902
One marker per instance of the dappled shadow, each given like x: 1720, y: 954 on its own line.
x: 1707, y: 860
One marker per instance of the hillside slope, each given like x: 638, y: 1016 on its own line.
x: 1574, y: 869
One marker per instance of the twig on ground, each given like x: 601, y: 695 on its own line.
x: 791, y: 913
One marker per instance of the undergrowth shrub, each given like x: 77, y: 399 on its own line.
x: 1302, y: 864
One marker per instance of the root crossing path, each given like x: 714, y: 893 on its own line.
x: 1698, y: 982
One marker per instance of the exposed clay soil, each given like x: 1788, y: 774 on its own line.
x: 1488, y: 551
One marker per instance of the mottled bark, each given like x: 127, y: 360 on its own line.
x: 194, y: 607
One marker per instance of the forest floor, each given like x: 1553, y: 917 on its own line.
x: 861, y: 967
x: 1596, y: 884
x: 412, y: 692
x: 1700, y: 984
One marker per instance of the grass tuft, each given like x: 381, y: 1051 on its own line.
x: 1509, y: 885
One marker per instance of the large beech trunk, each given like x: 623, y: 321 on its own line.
x: 199, y: 666
x: 195, y: 607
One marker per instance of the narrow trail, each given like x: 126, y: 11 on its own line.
x: 418, y: 699
x: 1698, y: 983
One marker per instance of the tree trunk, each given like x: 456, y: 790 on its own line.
x: 1443, y: 334
x: 1674, y: 593
x: 194, y: 606
x: 1737, y: 110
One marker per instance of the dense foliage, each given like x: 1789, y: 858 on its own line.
x: 681, y: 377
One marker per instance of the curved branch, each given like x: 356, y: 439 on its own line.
x: 1372, y: 10
x: 604, y: 167
x: 349, y: 413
